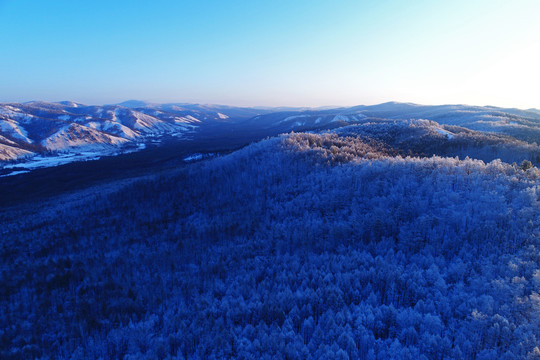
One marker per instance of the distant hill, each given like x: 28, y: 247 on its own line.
x: 38, y: 128
x: 73, y: 131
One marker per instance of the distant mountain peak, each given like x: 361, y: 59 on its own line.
x: 70, y: 103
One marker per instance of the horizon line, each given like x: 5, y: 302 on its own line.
x: 296, y: 107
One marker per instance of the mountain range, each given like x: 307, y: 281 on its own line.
x: 40, y: 134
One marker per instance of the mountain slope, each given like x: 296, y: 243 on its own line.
x: 39, y: 128
x: 303, y: 246
x: 9, y: 152
x: 77, y: 136
x: 522, y: 124
x: 427, y: 138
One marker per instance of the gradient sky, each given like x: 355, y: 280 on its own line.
x: 272, y: 52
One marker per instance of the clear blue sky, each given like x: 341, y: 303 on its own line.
x: 272, y: 52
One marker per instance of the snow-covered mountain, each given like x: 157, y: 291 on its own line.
x: 43, y: 129
x: 522, y: 124
x: 67, y: 127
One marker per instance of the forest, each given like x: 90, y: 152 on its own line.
x: 345, y: 244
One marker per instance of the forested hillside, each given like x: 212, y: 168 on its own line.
x: 336, y: 245
x: 43, y: 134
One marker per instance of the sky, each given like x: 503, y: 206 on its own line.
x: 272, y: 52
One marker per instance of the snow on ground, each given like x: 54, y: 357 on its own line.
x: 16, y: 173
x: 12, y: 128
x: 194, y: 157
x: 186, y: 119
x: 115, y: 128
x: 147, y: 123
x: 64, y: 117
x: 222, y: 116
x: 75, y: 135
x: 6, y: 140
x: 13, y: 113
x: 340, y: 118
x: 491, y: 117
x: 359, y: 117
x: 177, y: 134
x: 349, y: 118
x: 87, y: 153
x: 448, y: 134
x: 293, y: 117
x: 8, y: 152
x: 199, y: 156
x: 40, y: 161
x: 10, y: 111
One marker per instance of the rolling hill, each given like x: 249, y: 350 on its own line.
x: 40, y: 134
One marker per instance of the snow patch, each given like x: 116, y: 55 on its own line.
x: 116, y: 128
x: 293, y: 117
x: 340, y: 118
x: 186, y: 119
x: 193, y: 119
x: 448, y: 134
x: 359, y: 117
x: 199, y: 156
x: 6, y: 140
x: 193, y: 157
x: 15, y: 173
x: 13, y: 113
x: 40, y: 161
x: 13, y: 129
